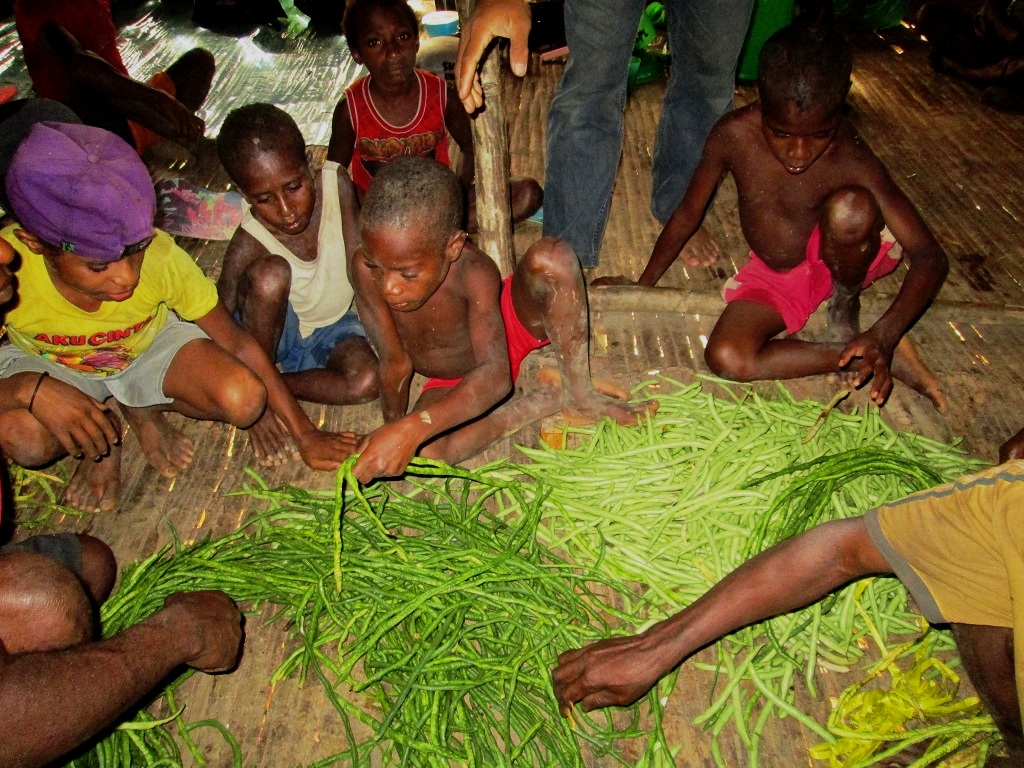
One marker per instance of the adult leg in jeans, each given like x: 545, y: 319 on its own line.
x: 585, y: 122
x: 705, y: 38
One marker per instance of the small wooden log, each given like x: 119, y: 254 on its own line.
x: 490, y: 143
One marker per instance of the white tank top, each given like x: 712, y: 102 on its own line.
x: 320, y: 292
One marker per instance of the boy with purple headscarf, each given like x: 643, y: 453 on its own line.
x: 100, y: 294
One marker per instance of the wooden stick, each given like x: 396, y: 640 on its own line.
x: 490, y: 143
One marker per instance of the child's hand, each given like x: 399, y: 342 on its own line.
x: 1012, y: 448
x: 387, y: 451
x: 868, y: 359
x: 327, y: 450
x: 84, y: 427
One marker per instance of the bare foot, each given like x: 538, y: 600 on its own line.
x: 608, y: 400
x: 702, y: 250
x: 96, y: 485
x: 166, y: 448
x: 271, y: 442
x: 908, y: 367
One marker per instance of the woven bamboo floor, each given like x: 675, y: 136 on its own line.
x: 958, y: 161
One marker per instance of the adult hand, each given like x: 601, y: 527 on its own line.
x: 327, y: 450
x: 611, y: 280
x: 613, y: 672
x: 867, y: 358
x: 1012, y: 448
x: 490, y: 19
x: 210, y: 624
x: 85, y: 427
x: 387, y: 451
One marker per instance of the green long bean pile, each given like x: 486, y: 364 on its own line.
x: 453, y: 615
x: 676, y: 504
x: 445, y: 606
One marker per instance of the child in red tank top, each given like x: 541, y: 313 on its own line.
x: 398, y: 109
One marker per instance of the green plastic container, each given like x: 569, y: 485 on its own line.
x: 769, y: 17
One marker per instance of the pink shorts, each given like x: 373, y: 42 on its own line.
x: 519, y: 340
x: 796, y: 293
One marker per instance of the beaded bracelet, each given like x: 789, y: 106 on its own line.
x: 39, y: 383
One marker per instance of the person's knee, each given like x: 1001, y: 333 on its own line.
x: 729, y: 361
x: 199, y: 61
x: 851, y: 215
x: 43, y: 606
x: 550, y: 260
x: 26, y: 442
x: 268, y: 280
x: 365, y: 385
x: 242, y: 397
x: 99, y: 568
x: 527, y: 197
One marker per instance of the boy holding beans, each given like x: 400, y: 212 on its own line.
x: 434, y: 304
x: 824, y: 220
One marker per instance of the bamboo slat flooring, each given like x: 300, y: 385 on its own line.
x: 957, y: 160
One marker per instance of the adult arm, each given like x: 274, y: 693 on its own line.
x: 490, y: 19
x: 388, y: 450
x: 343, y: 136
x: 928, y: 265
x: 319, y: 450
x: 147, y: 106
x: 789, y: 576
x: 457, y: 122
x: 80, y: 691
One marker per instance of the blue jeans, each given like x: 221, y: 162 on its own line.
x: 586, y: 119
x: 296, y: 354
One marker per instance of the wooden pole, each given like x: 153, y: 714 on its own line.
x: 490, y: 143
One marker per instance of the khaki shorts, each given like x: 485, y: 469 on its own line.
x: 140, y: 385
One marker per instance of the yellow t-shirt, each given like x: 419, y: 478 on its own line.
x: 105, y: 342
x: 959, y: 549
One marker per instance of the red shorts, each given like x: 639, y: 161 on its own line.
x: 519, y: 340
x: 796, y: 293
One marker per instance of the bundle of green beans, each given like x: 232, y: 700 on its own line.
x: 446, y: 605
x: 453, y: 614
x: 39, y: 491
x: 677, y: 503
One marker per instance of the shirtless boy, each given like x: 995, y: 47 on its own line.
x: 99, y: 297
x: 434, y: 304
x: 824, y: 219
x: 286, y: 270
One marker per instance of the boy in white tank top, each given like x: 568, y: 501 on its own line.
x: 286, y: 275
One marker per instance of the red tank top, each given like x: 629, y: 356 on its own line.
x: 377, y: 141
